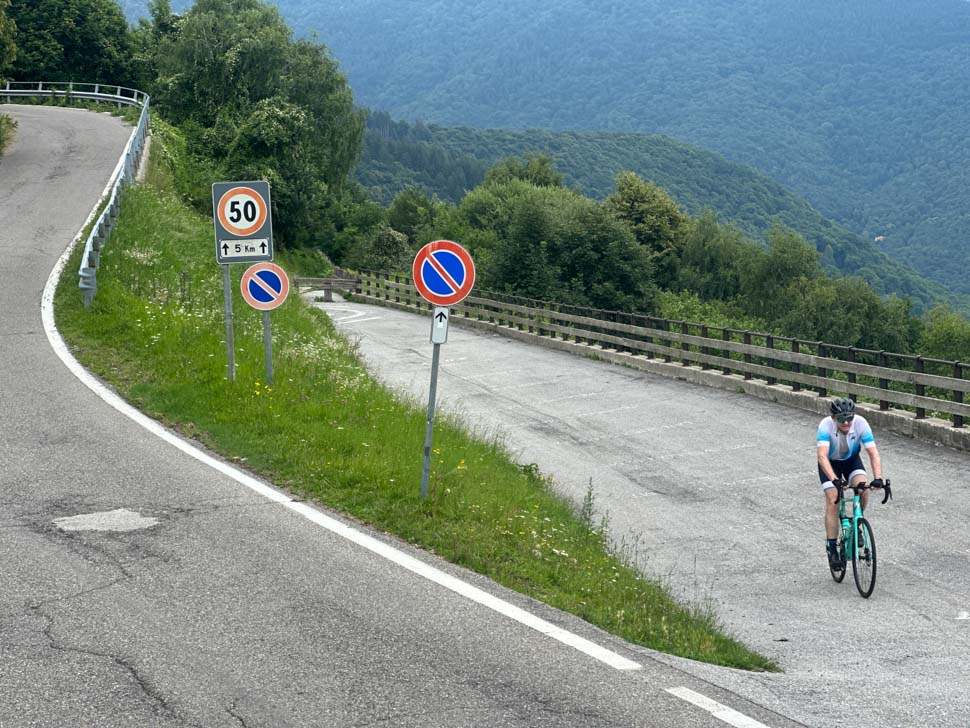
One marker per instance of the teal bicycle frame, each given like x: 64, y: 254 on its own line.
x: 857, y: 541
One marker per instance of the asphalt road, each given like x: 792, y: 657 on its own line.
x: 716, y: 492
x: 198, y: 597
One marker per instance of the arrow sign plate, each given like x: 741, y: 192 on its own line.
x: 439, y: 325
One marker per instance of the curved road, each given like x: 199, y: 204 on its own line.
x: 718, y: 493
x: 144, y: 587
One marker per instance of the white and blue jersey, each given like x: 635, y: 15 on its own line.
x: 847, y: 446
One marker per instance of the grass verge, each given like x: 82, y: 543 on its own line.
x: 327, y: 431
x: 7, y: 126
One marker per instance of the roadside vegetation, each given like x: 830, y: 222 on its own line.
x: 326, y: 431
x: 7, y: 126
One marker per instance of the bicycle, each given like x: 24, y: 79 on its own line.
x: 856, y: 538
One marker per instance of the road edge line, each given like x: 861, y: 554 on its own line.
x: 384, y: 550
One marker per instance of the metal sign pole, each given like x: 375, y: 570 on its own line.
x: 429, y: 426
x: 268, y: 348
x: 230, y: 344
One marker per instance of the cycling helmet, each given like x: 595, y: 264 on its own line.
x: 842, y: 406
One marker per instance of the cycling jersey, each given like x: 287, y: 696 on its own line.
x: 844, y: 447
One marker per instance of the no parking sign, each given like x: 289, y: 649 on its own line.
x: 444, y: 274
x: 264, y: 286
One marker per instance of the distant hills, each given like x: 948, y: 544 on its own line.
x: 861, y: 107
x: 445, y: 161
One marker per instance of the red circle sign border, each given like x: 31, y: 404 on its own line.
x: 252, y: 228
x: 463, y: 256
x: 250, y: 273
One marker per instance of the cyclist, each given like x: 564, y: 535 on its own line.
x: 840, y: 441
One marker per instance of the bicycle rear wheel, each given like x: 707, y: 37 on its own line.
x: 839, y: 574
x: 864, y: 559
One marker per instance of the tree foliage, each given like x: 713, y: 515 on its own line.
x: 71, y: 40
x: 8, y: 46
x: 442, y: 162
x: 536, y: 168
x: 257, y: 104
x: 657, y: 222
x: 860, y: 107
x: 554, y: 244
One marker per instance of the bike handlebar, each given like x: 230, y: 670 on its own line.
x: 841, y: 485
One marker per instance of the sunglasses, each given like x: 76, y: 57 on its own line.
x: 844, y: 420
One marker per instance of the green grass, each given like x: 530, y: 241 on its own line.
x: 7, y: 126
x: 327, y: 431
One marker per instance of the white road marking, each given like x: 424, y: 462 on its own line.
x: 378, y: 547
x: 721, y: 712
x: 963, y: 615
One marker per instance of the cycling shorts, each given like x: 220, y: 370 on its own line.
x: 845, y: 469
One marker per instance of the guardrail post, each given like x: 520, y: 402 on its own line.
x: 747, y: 356
x: 920, y: 388
x: 648, y: 338
x: 704, y: 349
x: 684, y: 346
x: 725, y: 353
x: 795, y: 367
x: 770, y: 344
x: 88, y: 284
x: 850, y: 357
x: 957, y: 394
x: 821, y: 371
x: 883, y: 383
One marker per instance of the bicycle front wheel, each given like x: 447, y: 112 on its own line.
x: 864, y: 559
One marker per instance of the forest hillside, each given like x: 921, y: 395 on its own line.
x: 859, y: 107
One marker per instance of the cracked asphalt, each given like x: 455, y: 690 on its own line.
x: 233, y: 610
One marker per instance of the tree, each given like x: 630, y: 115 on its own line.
x: 657, y: 222
x: 71, y: 40
x: 767, y: 279
x: 522, y: 264
x: 389, y: 251
x: 259, y: 105
x: 410, y: 211
x: 228, y: 54
x: 539, y: 169
x: 146, y: 40
x: 946, y: 336
x: 8, y: 29
x: 712, y: 258
x: 551, y: 242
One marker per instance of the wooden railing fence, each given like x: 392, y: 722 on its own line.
x: 903, y: 381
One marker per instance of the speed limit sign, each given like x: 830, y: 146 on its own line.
x: 243, y: 222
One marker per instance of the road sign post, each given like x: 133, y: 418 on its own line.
x: 227, y: 310
x: 444, y: 274
x: 265, y: 286
x: 243, y: 220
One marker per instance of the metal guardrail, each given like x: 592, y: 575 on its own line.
x: 918, y: 384
x: 124, y: 172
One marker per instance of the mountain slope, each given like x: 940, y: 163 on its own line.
x: 439, y: 159
x: 860, y: 107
